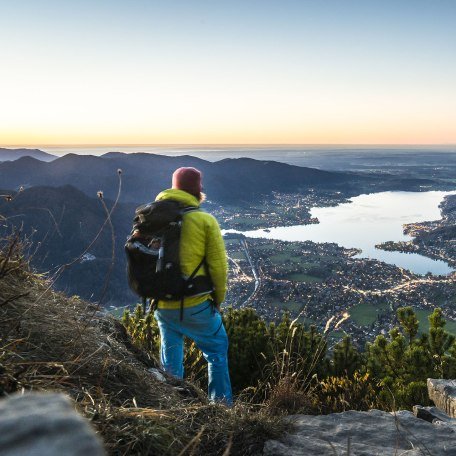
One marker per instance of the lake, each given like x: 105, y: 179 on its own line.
x: 369, y: 220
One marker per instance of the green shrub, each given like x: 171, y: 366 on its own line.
x: 288, y: 366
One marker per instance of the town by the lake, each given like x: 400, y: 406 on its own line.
x: 363, y: 284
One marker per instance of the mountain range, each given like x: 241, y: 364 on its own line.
x: 233, y: 181
x: 14, y: 154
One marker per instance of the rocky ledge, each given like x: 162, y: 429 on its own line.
x: 443, y: 394
x: 365, y: 434
x: 427, y: 431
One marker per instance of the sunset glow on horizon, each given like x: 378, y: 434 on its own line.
x: 200, y: 72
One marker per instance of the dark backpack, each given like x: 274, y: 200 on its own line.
x: 153, y: 264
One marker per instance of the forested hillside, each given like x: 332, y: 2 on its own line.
x: 63, y: 225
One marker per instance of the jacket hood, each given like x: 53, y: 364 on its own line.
x: 178, y: 195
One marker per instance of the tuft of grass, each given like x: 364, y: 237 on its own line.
x: 339, y: 394
x: 289, y: 397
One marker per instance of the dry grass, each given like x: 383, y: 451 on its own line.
x: 288, y: 396
x: 293, y: 386
x: 50, y: 336
x: 54, y: 343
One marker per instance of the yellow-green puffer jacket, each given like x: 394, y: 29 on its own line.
x: 200, y: 236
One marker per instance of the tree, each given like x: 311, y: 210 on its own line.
x: 250, y: 347
x: 346, y: 359
x: 441, y: 346
x: 408, y: 321
x: 403, y: 361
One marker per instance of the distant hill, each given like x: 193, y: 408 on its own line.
x: 60, y: 223
x: 235, y: 181
x: 14, y: 154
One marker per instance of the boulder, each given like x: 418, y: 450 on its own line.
x: 432, y: 414
x: 45, y: 425
x: 443, y: 394
x: 363, y: 434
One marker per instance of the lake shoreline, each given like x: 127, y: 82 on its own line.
x: 432, y: 239
x: 367, y: 221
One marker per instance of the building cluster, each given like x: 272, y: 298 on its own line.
x: 314, y: 282
x: 277, y: 209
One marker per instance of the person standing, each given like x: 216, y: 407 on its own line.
x: 201, y: 243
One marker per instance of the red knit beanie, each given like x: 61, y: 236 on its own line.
x: 189, y: 180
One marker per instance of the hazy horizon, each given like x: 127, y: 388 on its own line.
x: 315, y: 155
x: 229, y: 145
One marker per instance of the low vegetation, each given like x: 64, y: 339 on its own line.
x: 50, y: 342
x: 289, y: 368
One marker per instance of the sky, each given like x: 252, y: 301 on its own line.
x: 227, y: 72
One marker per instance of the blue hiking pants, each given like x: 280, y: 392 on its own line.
x: 203, y: 324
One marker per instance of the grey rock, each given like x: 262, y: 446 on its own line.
x: 432, y: 414
x: 373, y: 433
x: 443, y: 393
x: 446, y: 424
x: 157, y: 374
x: 45, y: 425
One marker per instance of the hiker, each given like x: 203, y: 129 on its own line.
x: 201, y: 244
